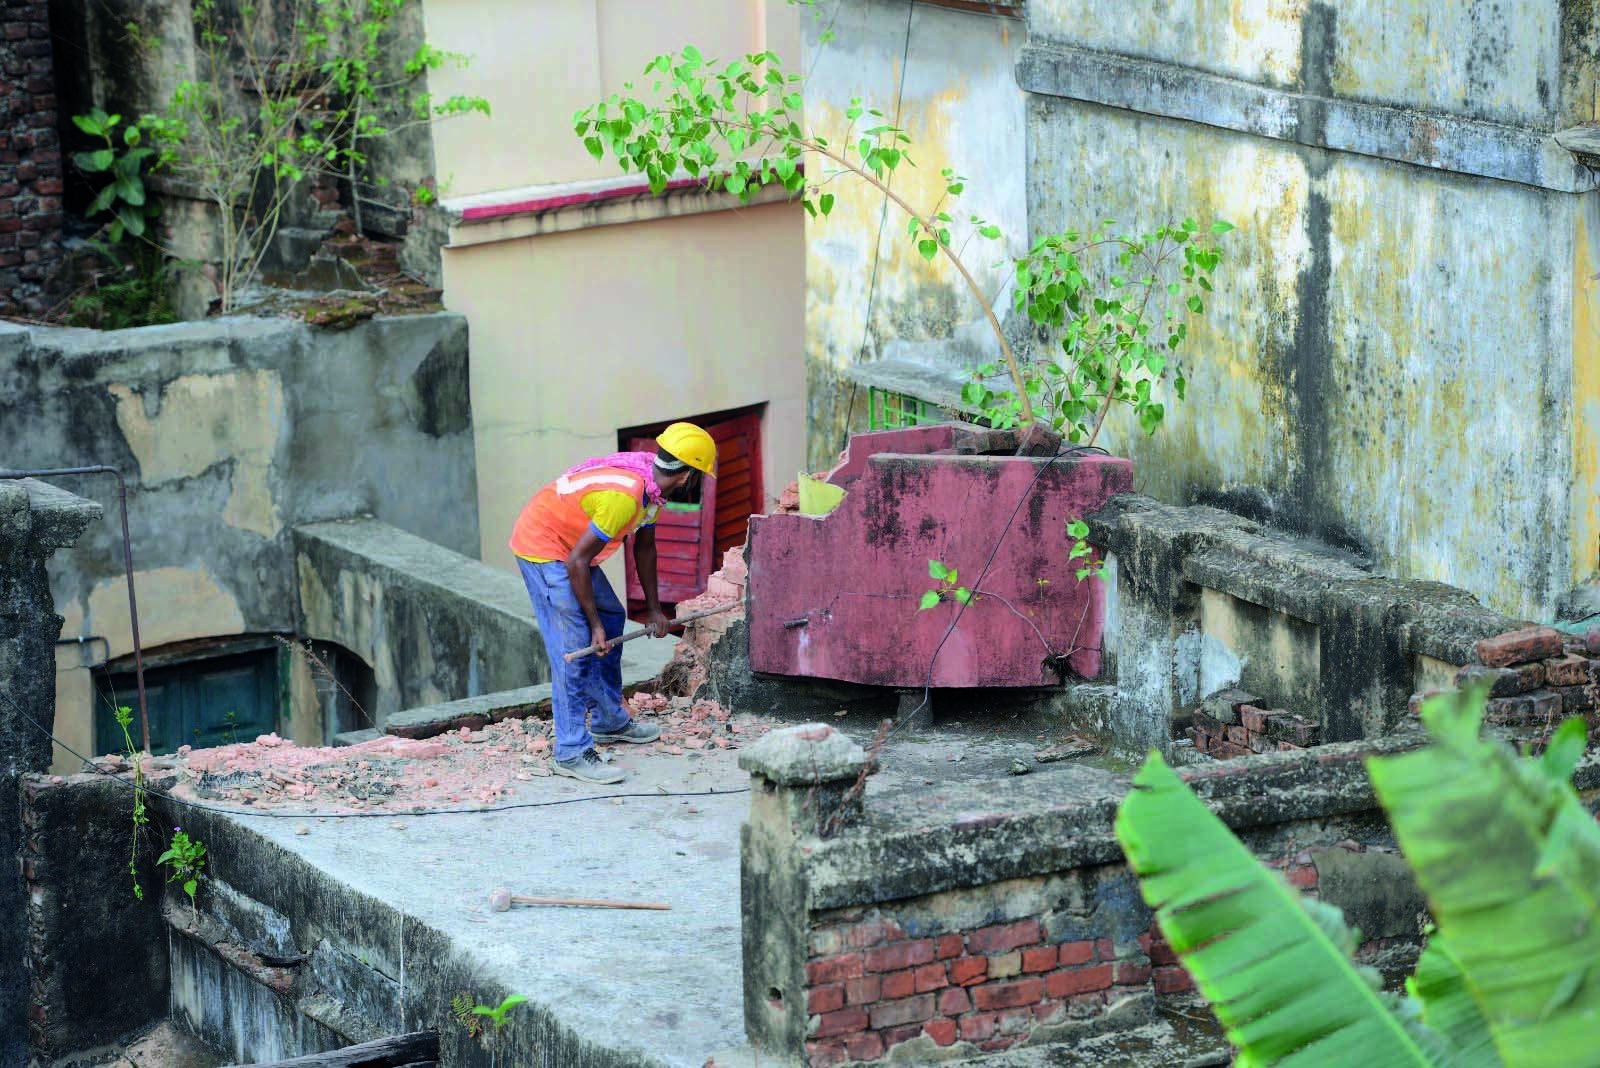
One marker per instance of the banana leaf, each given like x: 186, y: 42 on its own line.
x: 1277, y: 970
x: 1510, y: 863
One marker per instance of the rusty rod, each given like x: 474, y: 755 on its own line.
x: 589, y: 650
x: 127, y: 565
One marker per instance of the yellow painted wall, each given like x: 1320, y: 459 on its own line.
x: 577, y: 335
x: 538, y: 61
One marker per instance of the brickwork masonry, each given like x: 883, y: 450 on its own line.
x: 30, y: 158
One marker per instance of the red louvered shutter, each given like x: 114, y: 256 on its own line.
x: 683, y: 544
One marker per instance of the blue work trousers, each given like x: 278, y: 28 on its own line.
x: 593, y: 685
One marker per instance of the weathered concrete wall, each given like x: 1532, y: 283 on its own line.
x: 36, y: 520
x: 871, y: 299
x: 433, y: 625
x: 87, y: 932
x: 230, y: 432
x: 1204, y: 600
x: 974, y: 917
x: 1399, y: 354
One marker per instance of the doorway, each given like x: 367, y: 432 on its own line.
x: 690, y: 539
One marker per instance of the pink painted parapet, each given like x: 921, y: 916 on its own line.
x: 854, y: 577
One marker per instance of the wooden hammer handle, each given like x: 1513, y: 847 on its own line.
x: 588, y: 903
x: 590, y: 650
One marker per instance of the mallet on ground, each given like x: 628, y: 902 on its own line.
x: 590, y: 650
x: 501, y: 900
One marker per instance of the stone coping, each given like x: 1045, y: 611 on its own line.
x: 55, y: 518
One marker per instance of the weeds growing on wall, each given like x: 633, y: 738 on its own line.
x: 141, y: 816
x: 184, y: 860
x: 1508, y: 857
x: 319, y: 91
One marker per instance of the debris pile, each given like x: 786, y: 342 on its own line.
x: 686, y: 673
x: 463, y: 767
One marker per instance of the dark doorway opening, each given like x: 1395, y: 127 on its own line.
x: 201, y: 693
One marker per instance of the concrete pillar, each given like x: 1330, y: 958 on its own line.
x: 803, y: 785
x: 35, y: 521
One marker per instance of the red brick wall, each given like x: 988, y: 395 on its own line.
x: 30, y: 157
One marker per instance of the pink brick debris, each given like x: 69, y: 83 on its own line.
x: 688, y: 666
x: 462, y: 768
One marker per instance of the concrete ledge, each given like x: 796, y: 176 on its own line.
x: 55, y: 518
x: 1428, y: 139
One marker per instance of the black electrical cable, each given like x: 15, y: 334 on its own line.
x: 269, y: 814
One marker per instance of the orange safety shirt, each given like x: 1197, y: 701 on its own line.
x: 608, y: 500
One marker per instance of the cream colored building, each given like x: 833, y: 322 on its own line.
x: 595, y: 307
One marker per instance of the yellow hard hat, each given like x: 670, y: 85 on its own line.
x: 691, y: 445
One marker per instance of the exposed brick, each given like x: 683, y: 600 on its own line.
x: 873, y: 932
x: 1130, y: 973
x: 943, y: 1032
x: 1224, y: 705
x: 833, y: 969
x: 825, y: 1054
x: 931, y: 977
x: 863, y: 991
x: 821, y: 999
x: 1000, y: 938
x: 953, y: 1001
x: 1006, y: 965
x: 1079, y: 980
x: 1255, y: 719
x: 864, y: 1046
x: 1047, y: 1010
x: 1238, y: 735
x: 950, y: 945
x: 968, y: 970
x: 1302, y: 877
x: 899, y: 955
x: 1289, y: 727
x: 1535, y: 707
x: 979, y: 1026
x: 1519, y: 646
x: 1016, y: 1021
x: 1076, y: 952
x: 1504, y: 681
x: 839, y: 1023
x: 893, y: 1036
x: 1569, y: 671
x: 904, y: 1011
x: 1039, y: 960
x: 991, y: 996
x: 900, y: 984
x: 1172, y: 981
x: 1289, y: 747
x: 1105, y: 949
x: 1577, y: 698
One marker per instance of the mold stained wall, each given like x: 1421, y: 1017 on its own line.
x: 1399, y: 358
x: 578, y: 334
x: 952, y: 72
x: 229, y: 432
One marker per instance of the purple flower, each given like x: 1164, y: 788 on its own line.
x: 176, y: 828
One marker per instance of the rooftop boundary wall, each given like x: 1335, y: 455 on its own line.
x: 971, y: 918
x: 1204, y: 601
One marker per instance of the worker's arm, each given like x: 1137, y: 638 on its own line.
x: 579, y: 561
x: 644, y: 558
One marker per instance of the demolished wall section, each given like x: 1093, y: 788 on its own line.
x: 30, y: 159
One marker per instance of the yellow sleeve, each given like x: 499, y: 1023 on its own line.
x: 610, y: 512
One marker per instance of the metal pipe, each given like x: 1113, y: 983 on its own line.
x: 127, y: 564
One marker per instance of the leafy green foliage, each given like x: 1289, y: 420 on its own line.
x: 141, y: 816
x: 947, y: 577
x: 1090, y: 567
x: 134, y: 288
x: 1508, y: 858
x: 1118, y: 307
x: 123, y: 196
x: 317, y: 100
x: 184, y: 859
x: 497, y: 1015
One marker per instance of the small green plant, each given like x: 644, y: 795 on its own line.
x: 1092, y: 566
x: 124, y: 195
x: 184, y: 859
x: 473, y: 1018
x: 947, y: 577
x: 461, y: 1007
x: 231, y: 721
x: 497, y: 1015
x: 1504, y: 850
x: 141, y: 816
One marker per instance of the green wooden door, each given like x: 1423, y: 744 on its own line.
x: 203, y: 703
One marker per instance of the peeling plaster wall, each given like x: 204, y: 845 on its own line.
x: 960, y: 105
x: 229, y: 432
x: 1401, y: 355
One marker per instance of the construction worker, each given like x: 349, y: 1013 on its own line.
x: 564, y: 533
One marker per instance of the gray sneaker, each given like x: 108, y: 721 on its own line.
x: 633, y: 732
x: 588, y: 767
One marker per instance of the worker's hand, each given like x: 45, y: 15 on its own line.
x: 657, y: 623
x: 598, y: 639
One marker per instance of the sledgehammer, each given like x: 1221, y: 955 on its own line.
x: 590, y: 650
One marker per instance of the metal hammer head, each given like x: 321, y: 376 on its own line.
x: 499, y: 899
